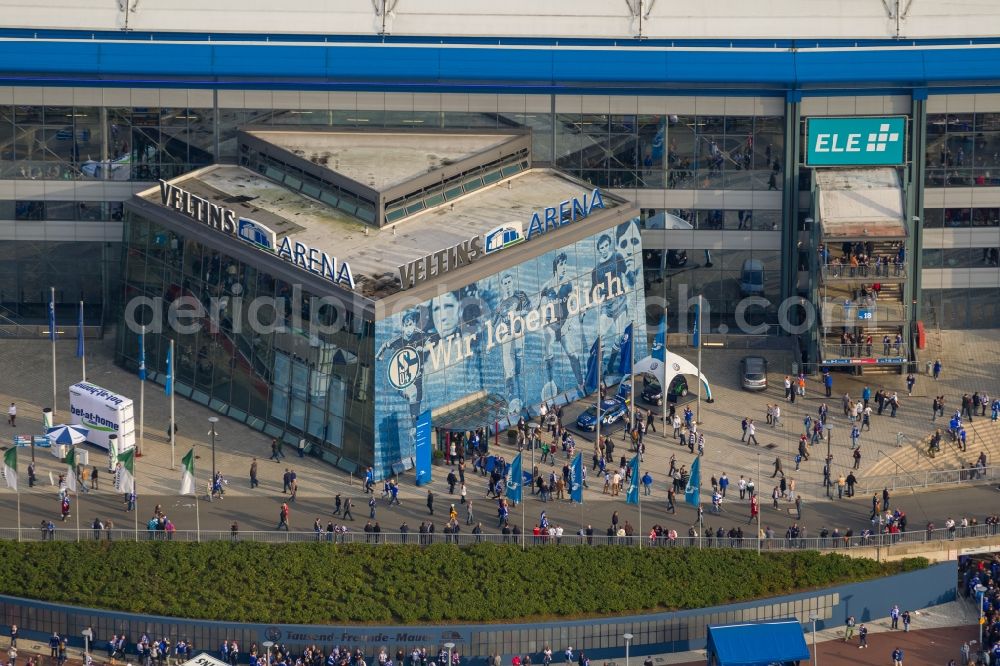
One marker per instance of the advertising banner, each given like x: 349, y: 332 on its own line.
x: 523, y: 336
x: 103, y: 413
x: 422, y: 447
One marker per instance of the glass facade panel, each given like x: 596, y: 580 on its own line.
x: 252, y: 358
x: 963, y: 150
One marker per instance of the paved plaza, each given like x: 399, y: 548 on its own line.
x: 969, y: 358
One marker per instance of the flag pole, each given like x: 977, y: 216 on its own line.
x: 77, y: 493
x: 18, y: 493
x: 52, y: 337
x: 663, y: 366
x: 639, y: 502
x: 170, y: 370
x: 523, y: 523
x: 135, y: 507
x: 698, y: 414
x: 83, y: 352
x: 631, y: 383
x: 142, y: 388
x: 197, y: 510
x: 600, y: 382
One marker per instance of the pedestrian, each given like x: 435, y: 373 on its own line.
x: 894, y: 616
x: 302, y: 447
x: 937, y: 369
x: 862, y: 636
x: 283, y: 517
x: 848, y: 628
x: 430, y: 502
x: 906, y: 621
x: 897, y: 657
x: 371, y: 507
x: 12, y: 415
x: 93, y: 478
x: 910, y: 381
x: 857, y: 458
x: 274, y: 450
x: 752, y: 433
x: 253, y: 474
x: 347, y: 509
x: 777, y: 468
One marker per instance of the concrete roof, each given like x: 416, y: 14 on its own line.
x: 375, y: 258
x: 380, y: 160
x: 671, y: 19
x: 860, y: 203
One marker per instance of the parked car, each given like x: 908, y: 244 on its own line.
x: 753, y: 373
x: 752, y: 278
x: 612, y: 411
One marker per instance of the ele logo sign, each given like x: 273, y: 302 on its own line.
x: 861, y: 141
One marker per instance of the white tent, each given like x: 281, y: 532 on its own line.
x: 673, y: 365
x: 204, y: 659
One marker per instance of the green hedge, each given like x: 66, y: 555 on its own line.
x: 319, y: 583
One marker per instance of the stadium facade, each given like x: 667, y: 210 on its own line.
x: 764, y: 156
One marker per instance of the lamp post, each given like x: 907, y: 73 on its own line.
x: 980, y: 591
x: 267, y: 654
x: 213, y: 420
x: 88, y: 635
x: 628, y: 641
x: 449, y: 647
x: 814, y: 618
x: 829, y: 433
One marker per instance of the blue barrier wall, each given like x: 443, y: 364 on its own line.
x: 601, y: 638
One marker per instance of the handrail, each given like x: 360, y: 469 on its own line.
x: 772, y: 543
x: 880, y: 452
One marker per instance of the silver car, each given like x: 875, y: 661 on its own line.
x: 753, y: 373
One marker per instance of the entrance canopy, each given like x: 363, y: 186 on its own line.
x: 860, y: 204
x: 477, y: 413
x: 758, y: 644
x: 672, y: 365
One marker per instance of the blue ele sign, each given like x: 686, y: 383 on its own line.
x: 858, y: 141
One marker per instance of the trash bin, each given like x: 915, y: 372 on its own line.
x: 47, y: 418
x: 795, y: 369
x: 927, y: 367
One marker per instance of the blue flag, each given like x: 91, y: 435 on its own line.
x: 696, y: 338
x: 660, y: 341
x: 168, y: 387
x: 79, y: 333
x: 514, y: 480
x: 422, y: 448
x: 625, y: 359
x: 52, y: 319
x: 632, y: 493
x: 692, y: 493
x: 593, y: 368
x: 576, y: 479
x: 142, y: 357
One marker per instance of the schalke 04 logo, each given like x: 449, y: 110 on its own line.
x: 404, y: 366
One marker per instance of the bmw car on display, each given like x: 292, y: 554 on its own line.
x: 612, y: 411
x: 652, y: 392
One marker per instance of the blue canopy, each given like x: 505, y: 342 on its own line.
x: 757, y: 644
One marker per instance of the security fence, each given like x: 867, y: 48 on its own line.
x: 777, y: 542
